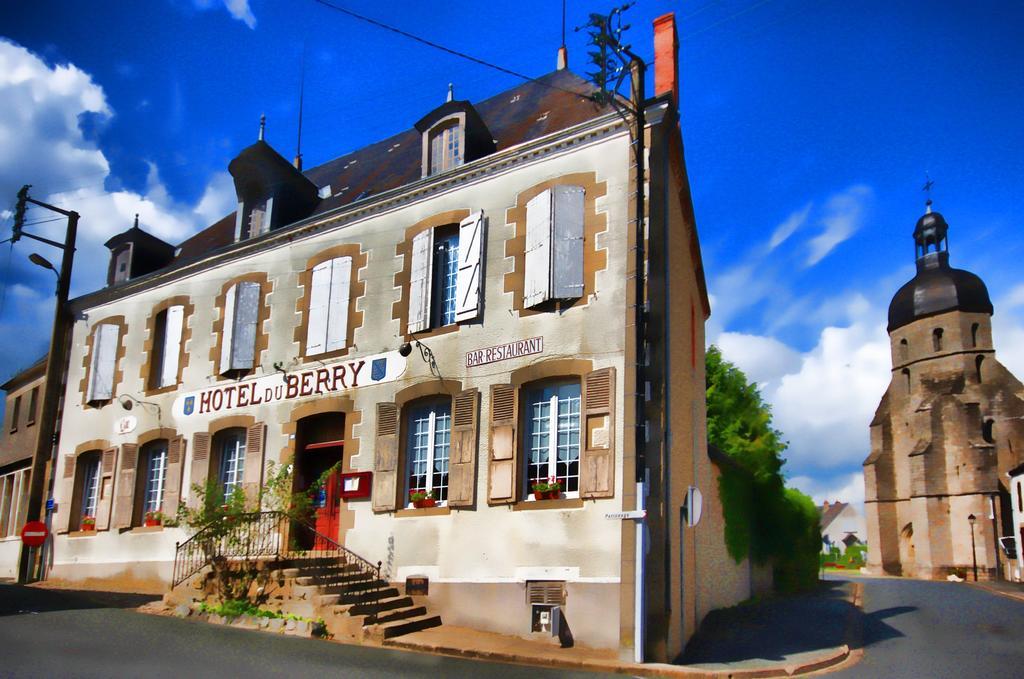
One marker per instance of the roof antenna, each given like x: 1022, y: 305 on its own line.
x: 927, y: 188
x: 302, y: 90
x: 451, y: 92
x: 136, y: 221
x: 263, y: 124
x: 563, y: 53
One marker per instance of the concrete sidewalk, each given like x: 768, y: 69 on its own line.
x: 1012, y: 590
x: 834, y: 606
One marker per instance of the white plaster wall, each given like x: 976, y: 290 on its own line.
x: 481, y: 545
x: 10, y: 551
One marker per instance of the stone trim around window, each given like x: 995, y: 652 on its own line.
x: 147, y: 346
x: 400, y: 308
x: 594, y: 223
x: 262, y: 335
x: 122, y: 350
x: 357, y: 288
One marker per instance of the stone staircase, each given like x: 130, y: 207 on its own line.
x: 352, y: 604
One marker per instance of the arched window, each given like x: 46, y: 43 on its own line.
x: 937, y: 339
x: 906, y: 375
x: 428, y: 427
x: 87, y: 491
x: 977, y: 366
x: 974, y: 334
x: 904, y: 349
x: 445, y: 148
x: 229, y: 448
x: 986, y: 431
x: 552, y: 437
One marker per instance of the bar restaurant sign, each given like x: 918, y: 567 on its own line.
x: 503, y: 352
x: 326, y: 380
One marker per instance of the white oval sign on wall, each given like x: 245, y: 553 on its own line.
x: 693, y: 506
x: 126, y: 424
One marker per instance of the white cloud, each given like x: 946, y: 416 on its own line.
x: 42, y: 144
x: 763, y: 359
x: 787, y: 228
x: 844, y: 214
x: 844, y: 488
x: 239, y: 9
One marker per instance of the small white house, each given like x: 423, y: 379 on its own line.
x: 841, y: 526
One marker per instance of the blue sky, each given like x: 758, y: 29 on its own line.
x: 808, y: 126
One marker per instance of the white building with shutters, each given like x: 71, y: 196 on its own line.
x: 449, y: 310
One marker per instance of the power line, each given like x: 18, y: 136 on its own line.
x: 448, y: 50
x: 732, y: 16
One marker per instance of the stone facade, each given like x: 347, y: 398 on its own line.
x: 948, y: 428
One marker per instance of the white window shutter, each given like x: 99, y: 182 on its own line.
x: 174, y: 318
x: 319, y: 296
x: 337, y: 313
x: 538, y: 249
x: 104, y: 358
x: 228, y: 328
x: 243, y: 338
x: 468, y: 284
x: 567, y: 243
x: 419, y: 281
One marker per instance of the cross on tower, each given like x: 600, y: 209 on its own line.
x: 927, y: 188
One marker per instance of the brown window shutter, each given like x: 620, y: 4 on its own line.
x: 252, y: 475
x: 107, y: 465
x: 597, y: 457
x: 385, y: 459
x: 67, y: 495
x: 172, y: 481
x: 462, y: 462
x: 501, y: 472
x: 123, y: 504
x: 200, y: 465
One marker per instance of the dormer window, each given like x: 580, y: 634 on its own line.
x: 258, y: 222
x: 446, y: 147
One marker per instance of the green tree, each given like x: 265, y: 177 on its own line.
x: 763, y: 518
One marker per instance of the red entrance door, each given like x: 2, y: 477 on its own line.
x: 328, y: 509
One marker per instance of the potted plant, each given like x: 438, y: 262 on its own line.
x: 88, y: 523
x: 155, y: 518
x: 547, y: 490
x: 422, y: 498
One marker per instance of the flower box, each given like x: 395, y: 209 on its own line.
x: 424, y: 503
x: 422, y: 498
x: 549, y: 490
x: 88, y: 523
x: 154, y: 519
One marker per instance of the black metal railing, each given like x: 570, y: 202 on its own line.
x: 264, y: 534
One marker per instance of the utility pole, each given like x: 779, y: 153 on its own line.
x: 615, y: 61
x: 29, y: 567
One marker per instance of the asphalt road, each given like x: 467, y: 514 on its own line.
x: 912, y: 628
x: 48, y: 633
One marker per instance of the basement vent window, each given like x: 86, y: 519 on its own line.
x: 548, y: 592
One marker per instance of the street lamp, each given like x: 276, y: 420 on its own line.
x: 39, y: 260
x: 974, y: 552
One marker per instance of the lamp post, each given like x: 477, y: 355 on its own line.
x: 55, y: 363
x: 974, y: 552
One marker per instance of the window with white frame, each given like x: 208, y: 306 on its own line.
x: 428, y: 446
x: 154, y: 457
x: 327, y: 326
x: 103, y: 363
x: 552, y: 435
x: 238, y: 336
x: 554, y: 245
x: 90, y: 486
x: 13, y: 502
x: 445, y: 279
x: 231, y: 452
x: 167, y: 329
x: 445, y: 148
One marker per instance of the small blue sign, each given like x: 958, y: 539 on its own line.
x: 378, y: 369
x: 49, y: 504
x: 190, y: 404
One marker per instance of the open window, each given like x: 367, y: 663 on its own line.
x: 428, y: 427
x: 446, y: 272
x: 238, y: 336
x: 554, y: 245
x: 103, y: 363
x: 551, y: 441
x: 167, y: 340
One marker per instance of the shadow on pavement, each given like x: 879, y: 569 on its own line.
x: 20, y: 600
x: 777, y: 627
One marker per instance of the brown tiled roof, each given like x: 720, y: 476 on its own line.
x: 525, y: 112
x: 829, y: 514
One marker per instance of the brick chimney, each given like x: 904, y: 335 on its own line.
x: 666, y: 57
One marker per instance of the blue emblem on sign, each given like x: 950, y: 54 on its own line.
x: 378, y: 369
x: 190, y: 404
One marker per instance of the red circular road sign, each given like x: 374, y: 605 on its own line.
x: 34, y: 533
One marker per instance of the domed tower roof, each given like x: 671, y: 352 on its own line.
x: 937, y: 288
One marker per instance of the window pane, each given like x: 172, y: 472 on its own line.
x: 553, y: 435
x: 538, y: 435
x: 90, y: 487
x: 442, y: 441
x: 446, y: 274
x: 428, y: 449
x: 156, y: 472
x: 232, y: 462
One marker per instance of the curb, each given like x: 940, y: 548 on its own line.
x: 826, y: 660
x: 1003, y: 593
